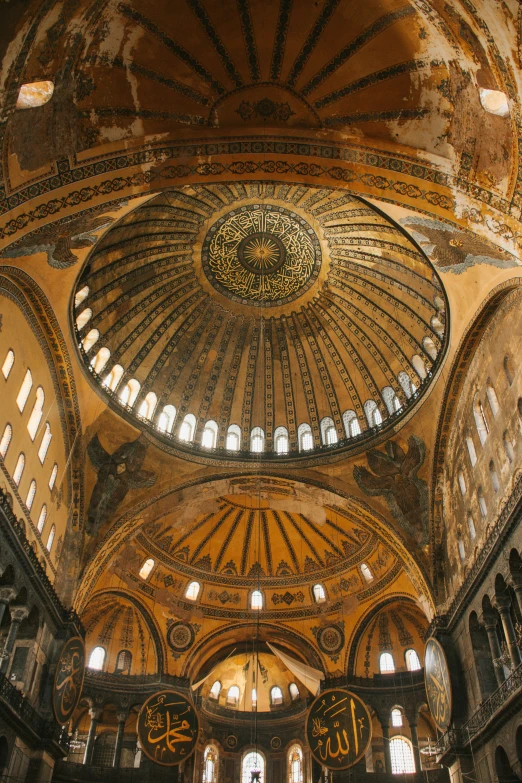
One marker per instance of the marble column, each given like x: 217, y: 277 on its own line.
x: 386, y: 739
x: 515, y: 580
x: 122, y: 719
x: 490, y: 620
x: 412, y: 721
x: 18, y: 613
x: 503, y: 604
x: 6, y: 596
x: 95, y: 713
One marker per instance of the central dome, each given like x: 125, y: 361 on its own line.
x: 261, y: 254
x: 246, y: 318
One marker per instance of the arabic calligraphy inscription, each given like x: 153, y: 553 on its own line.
x: 68, y: 680
x: 338, y: 729
x: 168, y: 728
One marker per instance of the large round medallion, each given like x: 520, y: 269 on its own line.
x: 168, y: 728
x: 180, y: 636
x: 438, y: 684
x: 68, y: 679
x: 338, y: 729
x: 261, y: 254
x: 330, y: 639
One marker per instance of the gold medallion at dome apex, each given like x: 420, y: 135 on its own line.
x: 261, y: 254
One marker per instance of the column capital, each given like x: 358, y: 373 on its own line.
x: 123, y: 716
x: 7, y: 594
x: 515, y: 580
x: 18, y: 613
x: 502, y: 602
x: 96, y: 713
x: 489, y: 619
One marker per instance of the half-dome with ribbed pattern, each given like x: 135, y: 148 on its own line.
x: 257, y: 318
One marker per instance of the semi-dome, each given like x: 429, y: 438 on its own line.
x: 258, y: 318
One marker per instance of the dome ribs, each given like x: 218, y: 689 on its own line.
x: 286, y: 539
x: 230, y: 383
x: 269, y: 382
x: 246, y: 542
x: 250, y: 386
x: 230, y: 535
x: 300, y: 532
x: 213, y: 530
x: 311, y: 41
x: 348, y: 51
x: 306, y: 378
x: 212, y: 34
x: 214, y: 375
x: 171, y: 44
x: 290, y: 412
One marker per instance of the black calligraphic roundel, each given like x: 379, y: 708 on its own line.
x: 68, y: 679
x: 168, y: 728
x: 338, y: 729
x: 438, y: 684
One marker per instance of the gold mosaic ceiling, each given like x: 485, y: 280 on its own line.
x: 265, y: 305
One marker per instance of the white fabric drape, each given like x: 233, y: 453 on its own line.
x: 311, y: 678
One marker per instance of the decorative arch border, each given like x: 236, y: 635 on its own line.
x: 127, y: 526
x: 159, y: 642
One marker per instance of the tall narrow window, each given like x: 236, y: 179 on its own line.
x: 188, y: 428
x: 233, y: 696
x: 508, y: 369
x: 418, y: 365
x: 129, y: 392
x: 373, y: 414
x: 52, y: 478
x: 471, y: 451
x: 295, y: 764
x: 123, y: 662
x: 90, y: 339
x: 83, y: 318
x: 430, y: 347
x: 44, y: 445
x: 257, y: 440
x: 254, y: 698
x: 482, y: 502
x: 81, y: 295
x: 391, y: 400
x: 396, y: 716
x: 146, y: 568
x: 50, y: 540
x: 471, y: 528
x: 6, y: 440
x: 114, y: 377
x: 192, y: 591
x: 25, y: 390
x: 508, y: 447
x: 462, y: 483
x: 461, y: 548
x: 99, y: 361
x: 494, y: 476
x: 328, y: 432
x: 305, y: 437
x: 437, y: 325
x: 148, y: 406
x: 319, y: 594
x: 480, y: 419
x: 215, y: 690
x: 166, y: 418
x: 30, y: 495
x: 351, y: 424
x: 97, y: 659
x: 281, y: 442
x: 386, y: 663
x: 367, y: 574
x: 276, y: 695
x: 209, y: 435
x: 36, y: 413
x: 256, y: 600
x: 401, y: 755
x: 492, y: 398
x: 234, y: 437
x: 42, y: 518
x: 19, y: 469
x: 294, y: 691
x: 413, y: 663
x: 7, y: 366
x: 210, y: 760
x: 408, y: 386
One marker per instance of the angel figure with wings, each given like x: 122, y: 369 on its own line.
x: 117, y: 474
x: 394, y: 476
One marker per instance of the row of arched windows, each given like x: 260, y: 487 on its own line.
x: 165, y: 419
x: 193, y: 588
x: 33, y: 426
x: 387, y: 662
x: 234, y: 694
x: 99, y: 654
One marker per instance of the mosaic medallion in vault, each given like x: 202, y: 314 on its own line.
x: 234, y: 319
x: 262, y: 255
